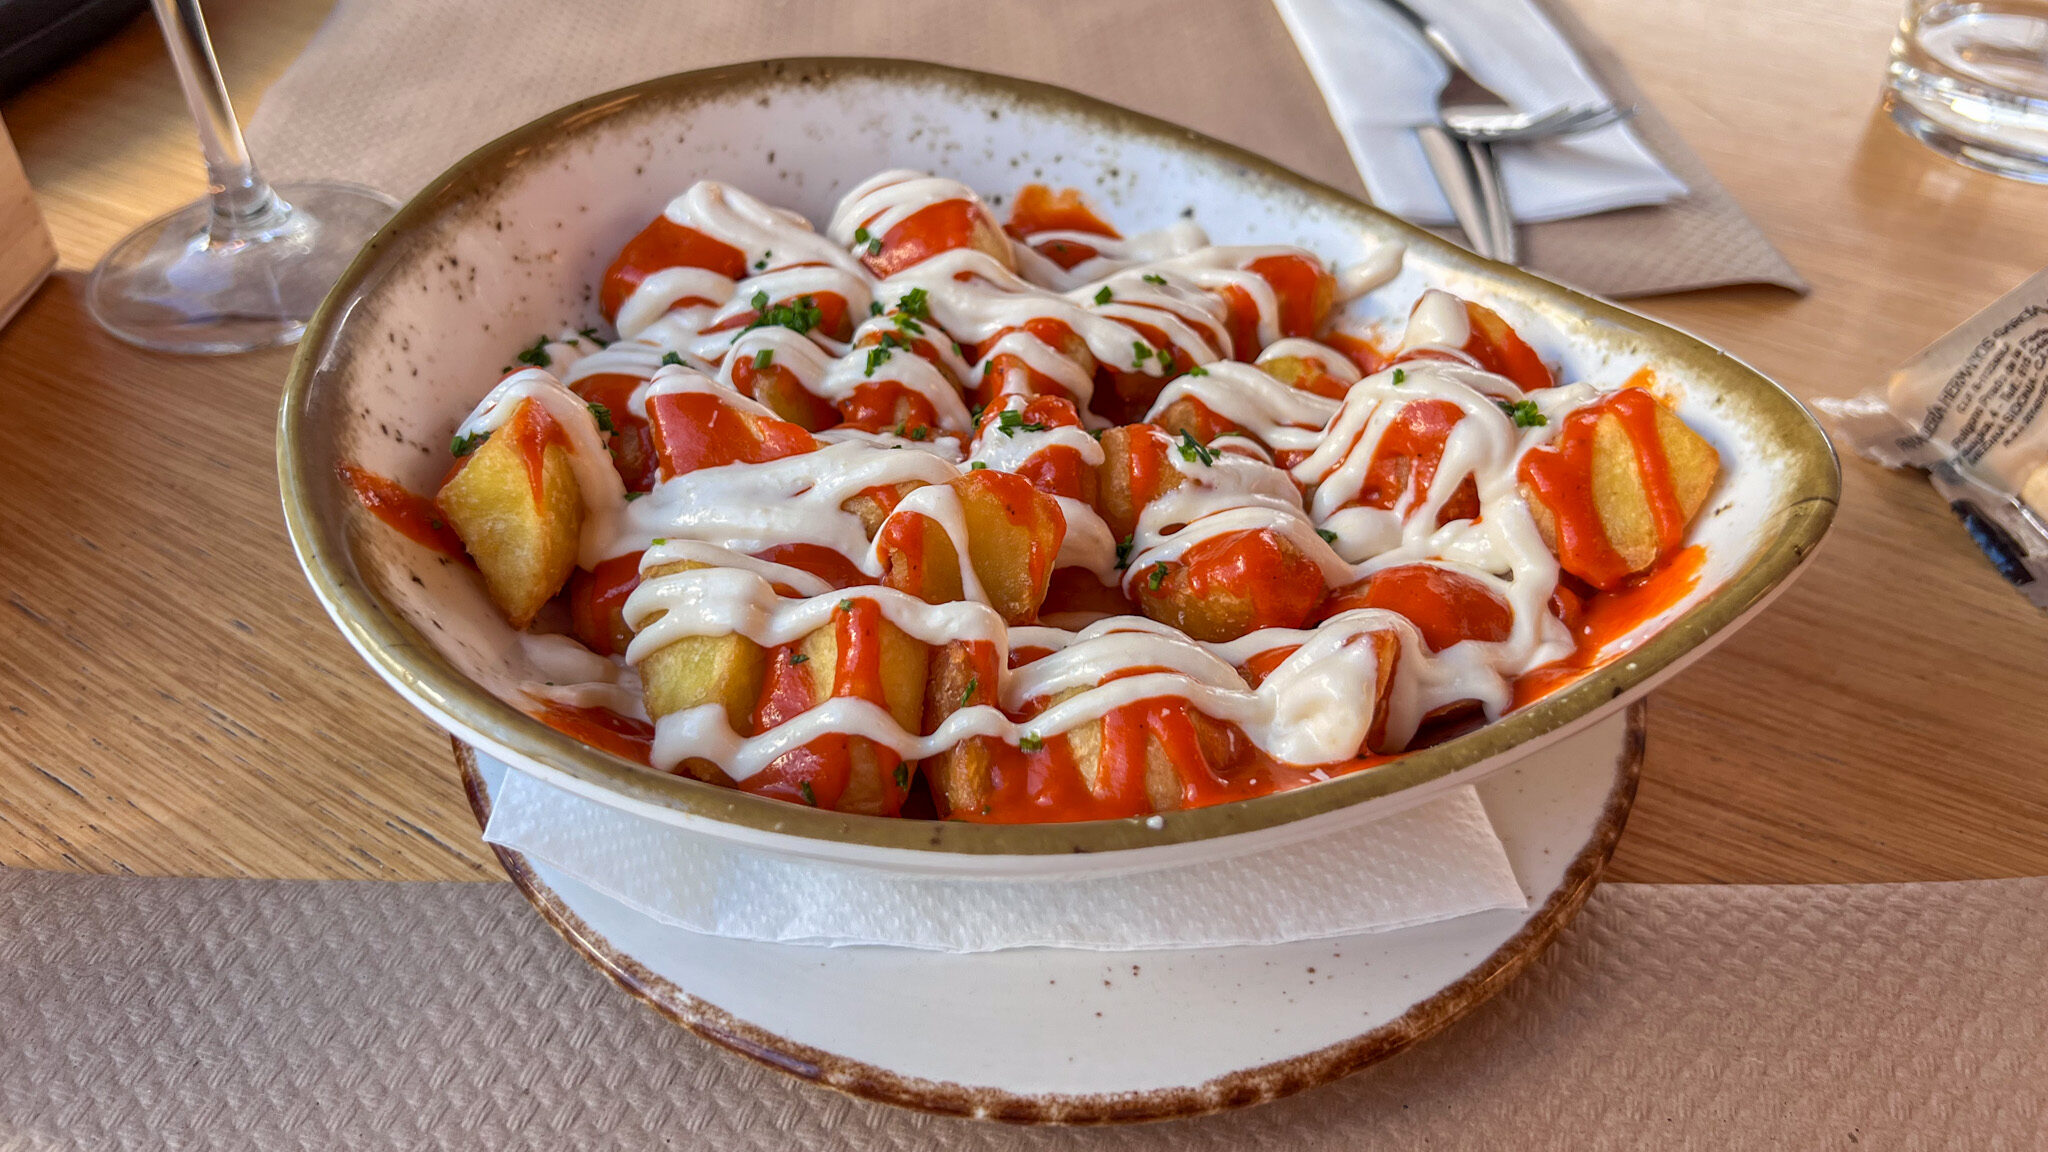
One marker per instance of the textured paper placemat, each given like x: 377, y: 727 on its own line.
x: 278, y: 1015
x: 390, y: 93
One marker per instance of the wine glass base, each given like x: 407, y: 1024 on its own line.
x: 172, y: 286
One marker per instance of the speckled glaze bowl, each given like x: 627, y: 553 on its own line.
x: 512, y: 240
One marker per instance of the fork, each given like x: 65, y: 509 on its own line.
x: 1459, y: 147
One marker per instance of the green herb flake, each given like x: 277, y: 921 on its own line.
x: 920, y: 432
x: 1166, y: 360
x: 877, y: 356
x: 1031, y: 742
x: 799, y: 317
x: 1328, y: 536
x: 1154, y: 278
x: 591, y: 335
x: 1400, y: 376
x: 1198, y: 370
x: 670, y: 358
x: 537, y: 355
x: 1008, y: 421
x: 763, y: 359
x: 464, y: 445
x: 874, y: 247
x: 967, y: 696
x: 874, y: 307
x: 603, y: 416
x: 1104, y: 296
x: 1157, y: 577
x: 1524, y: 413
x: 658, y: 540
x: 799, y: 658
x: 915, y: 303
x: 846, y: 605
x: 903, y: 775
x: 1140, y: 352
x: 632, y: 496
x: 810, y: 797
x: 976, y: 466
x: 1192, y: 450
x: 1123, y: 551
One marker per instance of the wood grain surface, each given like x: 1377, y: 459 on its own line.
x: 177, y: 703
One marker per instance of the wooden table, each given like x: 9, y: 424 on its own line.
x: 177, y: 703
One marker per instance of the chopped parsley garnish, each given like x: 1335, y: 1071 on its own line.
x: 1154, y: 278
x: 846, y: 605
x: 799, y: 658
x: 763, y: 359
x: 1158, y: 576
x: 603, y: 416
x: 1123, y: 551
x: 591, y: 335
x: 973, y: 682
x: 1328, y: 536
x: 1031, y: 742
x: 537, y: 355
x: 1010, y: 422
x: 1140, y: 352
x: 668, y: 358
x: 659, y: 540
x: 1198, y: 370
x: 903, y: 775
x: 860, y: 235
x: 464, y: 445
x: 799, y: 317
x: 976, y: 466
x: 874, y: 307
x: 1400, y: 376
x: 810, y: 797
x: 1192, y: 449
x: 1524, y: 413
x: 630, y: 496
x: 878, y: 356
x: 1166, y: 360
x: 903, y: 321
x: 1104, y: 296
x: 920, y: 432
x: 915, y: 304
x: 874, y: 247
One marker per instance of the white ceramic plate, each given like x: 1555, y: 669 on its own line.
x: 1079, y: 1036
x: 512, y: 240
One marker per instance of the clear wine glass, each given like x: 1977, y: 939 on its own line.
x: 244, y: 266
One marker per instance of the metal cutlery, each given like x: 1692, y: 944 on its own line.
x: 1471, y: 118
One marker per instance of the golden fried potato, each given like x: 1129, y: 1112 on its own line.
x: 1618, y: 490
x: 524, y: 546
x: 1165, y: 782
x: 1228, y: 585
x: 1014, y: 533
x: 918, y: 557
x: 697, y: 670
x: 962, y: 674
x: 873, y: 511
x: 873, y: 786
x: 1134, y: 472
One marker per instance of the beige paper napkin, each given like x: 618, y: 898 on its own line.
x: 285, y: 1016
x: 390, y: 93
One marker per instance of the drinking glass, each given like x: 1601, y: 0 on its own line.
x: 244, y: 266
x: 1970, y: 80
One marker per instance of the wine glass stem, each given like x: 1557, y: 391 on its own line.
x: 242, y: 200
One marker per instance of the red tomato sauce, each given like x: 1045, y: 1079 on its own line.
x: 1609, y: 616
x: 601, y: 728
x: 413, y: 515
x: 666, y: 244
x: 1561, y: 476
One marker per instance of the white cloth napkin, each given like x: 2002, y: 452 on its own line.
x: 1380, y: 80
x: 1433, y: 862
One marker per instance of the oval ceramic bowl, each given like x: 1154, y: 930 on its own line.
x: 511, y: 242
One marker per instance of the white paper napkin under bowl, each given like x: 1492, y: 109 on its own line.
x: 1380, y: 80
x: 1436, y: 861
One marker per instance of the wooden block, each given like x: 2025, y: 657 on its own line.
x: 27, y: 254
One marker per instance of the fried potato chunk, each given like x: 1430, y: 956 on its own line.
x: 1621, y: 497
x: 881, y: 659
x: 1014, y: 533
x: 520, y: 528
x: 1231, y: 584
x: 963, y: 674
x: 698, y: 670
x: 1134, y: 472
